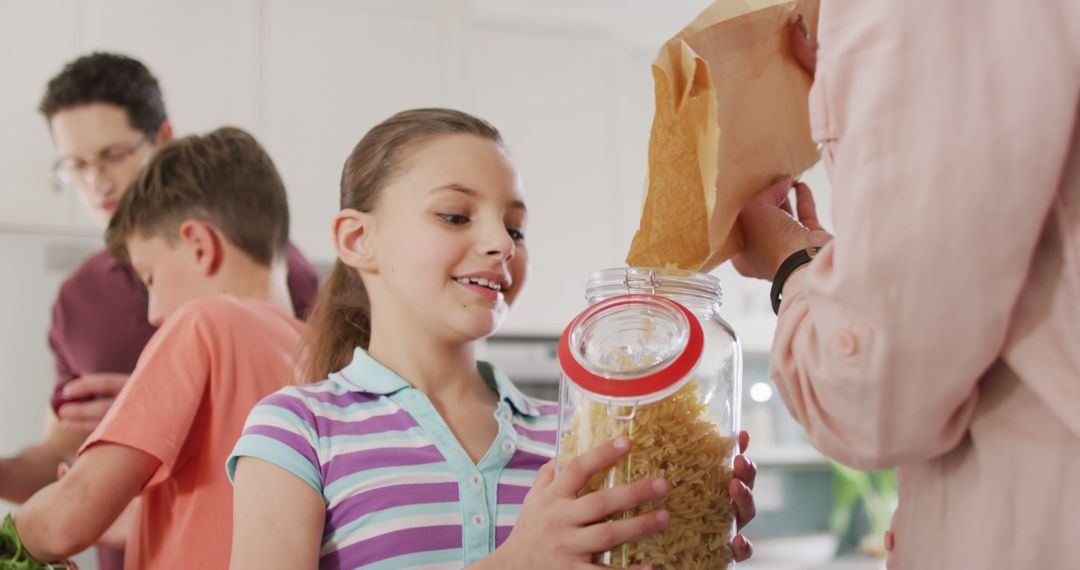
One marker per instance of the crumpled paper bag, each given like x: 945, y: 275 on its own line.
x: 731, y: 117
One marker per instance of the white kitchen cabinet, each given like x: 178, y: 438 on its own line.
x: 334, y: 69
x: 552, y: 95
x: 35, y: 39
x: 203, y: 52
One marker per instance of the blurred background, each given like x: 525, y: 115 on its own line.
x: 567, y: 82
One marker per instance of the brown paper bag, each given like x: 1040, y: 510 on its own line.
x: 731, y: 117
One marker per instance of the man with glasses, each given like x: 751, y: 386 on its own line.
x: 107, y: 116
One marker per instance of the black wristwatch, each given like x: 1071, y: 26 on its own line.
x: 793, y: 262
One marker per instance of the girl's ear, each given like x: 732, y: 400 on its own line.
x: 352, y: 239
x: 205, y: 244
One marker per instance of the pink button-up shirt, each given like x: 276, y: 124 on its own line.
x: 940, y: 331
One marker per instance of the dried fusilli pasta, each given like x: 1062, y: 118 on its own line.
x: 673, y: 438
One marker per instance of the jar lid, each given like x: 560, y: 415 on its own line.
x: 631, y: 347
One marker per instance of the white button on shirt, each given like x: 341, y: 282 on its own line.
x: 478, y: 520
x: 476, y: 480
x: 508, y: 446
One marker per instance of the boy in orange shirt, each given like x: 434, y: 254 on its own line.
x: 201, y: 227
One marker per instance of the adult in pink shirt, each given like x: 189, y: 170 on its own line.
x: 938, y: 332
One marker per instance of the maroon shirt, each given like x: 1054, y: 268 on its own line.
x: 99, y: 324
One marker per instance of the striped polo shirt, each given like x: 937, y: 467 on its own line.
x: 400, y: 490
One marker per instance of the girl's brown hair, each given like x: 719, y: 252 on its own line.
x: 340, y: 320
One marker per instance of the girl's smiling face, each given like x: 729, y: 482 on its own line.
x: 447, y: 240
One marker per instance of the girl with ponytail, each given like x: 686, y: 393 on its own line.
x: 399, y: 449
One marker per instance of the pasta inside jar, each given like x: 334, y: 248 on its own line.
x: 665, y: 374
x: 673, y: 438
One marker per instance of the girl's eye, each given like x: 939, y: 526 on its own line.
x: 515, y: 235
x: 455, y: 219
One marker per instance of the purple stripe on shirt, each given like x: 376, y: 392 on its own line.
x: 340, y: 400
x: 501, y: 534
x: 389, y: 497
x: 391, y: 544
x: 295, y: 441
x: 542, y: 435
x: 511, y: 494
x: 291, y: 404
x: 527, y: 460
x: 345, y: 464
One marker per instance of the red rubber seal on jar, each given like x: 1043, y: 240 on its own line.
x: 664, y: 378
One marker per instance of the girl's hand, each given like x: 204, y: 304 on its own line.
x: 558, y: 529
x: 742, y: 497
x: 772, y: 231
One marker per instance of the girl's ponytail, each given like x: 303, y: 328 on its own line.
x: 339, y: 322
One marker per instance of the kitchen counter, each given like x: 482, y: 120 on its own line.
x: 844, y: 563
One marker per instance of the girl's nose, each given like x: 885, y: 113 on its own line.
x: 498, y: 243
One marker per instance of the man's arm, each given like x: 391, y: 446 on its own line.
x: 70, y: 515
x: 34, y: 467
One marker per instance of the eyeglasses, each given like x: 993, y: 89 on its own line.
x: 70, y: 169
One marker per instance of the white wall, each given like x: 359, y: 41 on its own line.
x: 567, y: 81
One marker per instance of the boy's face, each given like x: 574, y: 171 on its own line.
x: 99, y: 154
x: 170, y: 272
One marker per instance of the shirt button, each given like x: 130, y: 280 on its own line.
x: 478, y: 520
x: 845, y: 344
x: 508, y: 446
x: 475, y: 480
x: 506, y: 414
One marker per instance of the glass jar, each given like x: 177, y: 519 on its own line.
x: 651, y: 359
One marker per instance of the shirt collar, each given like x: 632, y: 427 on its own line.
x: 366, y: 374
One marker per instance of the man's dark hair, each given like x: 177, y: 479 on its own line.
x: 108, y: 78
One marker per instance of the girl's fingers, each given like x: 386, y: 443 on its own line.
x: 744, y: 441
x: 544, y: 476
x: 743, y: 499
x: 599, y: 505
x: 741, y: 548
x: 584, y: 466
x: 745, y: 470
x: 607, y: 535
x: 806, y: 208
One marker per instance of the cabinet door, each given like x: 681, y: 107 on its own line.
x: 551, y: 94
x: 334, y: 70
x: 36, y: 38
x: 203, y: 52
